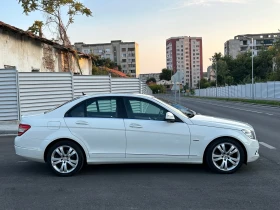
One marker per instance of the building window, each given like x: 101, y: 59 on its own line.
x: 124, y: 55
x: 123, y: 49
x: 261, y: 37
x: 275, y: 36
x: 107, y: 50
x: 182, y: 46
x: 194, y: 54
x: 194, y: 50
x: 131, y: 49
x: 193, y: 65
x: 197, y: 53
x: 123, y: 60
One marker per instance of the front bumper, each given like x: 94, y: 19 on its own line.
x: 253, y: 151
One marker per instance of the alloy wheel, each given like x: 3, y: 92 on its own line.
x: 64, y: 159
x: 226, y: 156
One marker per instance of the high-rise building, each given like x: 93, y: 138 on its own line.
x: 125, y: 54
x: 243, y: 43
x: 184, y: 54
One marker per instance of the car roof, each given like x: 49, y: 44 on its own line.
x: 117, y: 94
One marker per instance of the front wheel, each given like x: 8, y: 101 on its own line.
x: 65, y: 158
x: 225, y: 156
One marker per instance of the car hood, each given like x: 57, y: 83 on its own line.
x: 204, y: 120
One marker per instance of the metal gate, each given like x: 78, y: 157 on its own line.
x: 8, y: 95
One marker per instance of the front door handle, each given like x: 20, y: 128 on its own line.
x: 134, y: 125
x: 82, y: 123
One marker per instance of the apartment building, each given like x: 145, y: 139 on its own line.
x: 184, y: 54
x: 243, y: 43
x: 125, y: 54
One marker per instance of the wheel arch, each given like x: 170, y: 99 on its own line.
x: 63, y: 139
x: 227, y: 137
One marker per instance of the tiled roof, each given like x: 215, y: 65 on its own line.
x: 41, y: 39
x: 117, y: 72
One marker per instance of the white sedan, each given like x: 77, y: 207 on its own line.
x: 132, y: 128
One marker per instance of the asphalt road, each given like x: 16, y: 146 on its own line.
x: 29, y: 185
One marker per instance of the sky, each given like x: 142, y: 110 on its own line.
x: 151, y: 22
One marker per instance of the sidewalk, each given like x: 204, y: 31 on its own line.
x: 8, y: 127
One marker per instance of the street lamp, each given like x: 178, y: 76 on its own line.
x: 252, y: 39
x: 216, y: 73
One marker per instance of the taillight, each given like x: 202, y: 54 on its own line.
x: 22, y: 128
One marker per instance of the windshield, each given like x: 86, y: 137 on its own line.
x: 178, y: 109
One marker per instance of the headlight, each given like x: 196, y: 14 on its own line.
x: 249, y: 133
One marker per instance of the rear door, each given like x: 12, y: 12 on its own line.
x: 99, y: 123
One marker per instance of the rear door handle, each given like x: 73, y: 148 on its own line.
x: 82, y: 123
x: 134, y: 125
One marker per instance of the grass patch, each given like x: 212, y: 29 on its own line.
x: 257, y: 101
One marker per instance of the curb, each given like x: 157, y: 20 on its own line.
x: 11, y: 132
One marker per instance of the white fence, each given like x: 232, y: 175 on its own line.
x: 24, y: 93
x: 8, y: 95
x: 268, y: 91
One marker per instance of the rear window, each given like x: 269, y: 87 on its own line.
x: 62, y: 104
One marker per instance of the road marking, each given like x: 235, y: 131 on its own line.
x: 267, y: 145
x: 22, y: 161
x: 246, y: 110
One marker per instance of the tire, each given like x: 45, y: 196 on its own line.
x: 224, y: 156
x: 65, y: 158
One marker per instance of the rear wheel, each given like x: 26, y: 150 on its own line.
x: 225, y: 156
x: 65, y: 158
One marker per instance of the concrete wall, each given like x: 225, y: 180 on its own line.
x: 232, y: 48
x: 20, y: 51
x: 26, y: 54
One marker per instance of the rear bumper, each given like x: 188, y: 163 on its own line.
x: 30, y: 153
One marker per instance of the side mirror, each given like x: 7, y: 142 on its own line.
x: 169, y: 117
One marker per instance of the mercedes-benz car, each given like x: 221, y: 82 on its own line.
x: 132, y: 128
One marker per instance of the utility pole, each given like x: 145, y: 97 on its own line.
x: 252, y: 89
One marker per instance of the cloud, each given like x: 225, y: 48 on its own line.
x: 188, y: 3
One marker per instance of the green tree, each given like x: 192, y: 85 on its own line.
x: 165, y: 74
x: 203, y: 83
x: 151, y: 80
x: 54, y: 10
x: 36, y: 28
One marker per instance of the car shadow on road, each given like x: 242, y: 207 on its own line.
x: 143, y: 169
x: 34, y: 169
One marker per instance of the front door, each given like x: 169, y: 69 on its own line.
x: 98, y: 123
x: 150, y: 136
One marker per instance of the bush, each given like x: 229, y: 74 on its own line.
x: 157, y: 88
